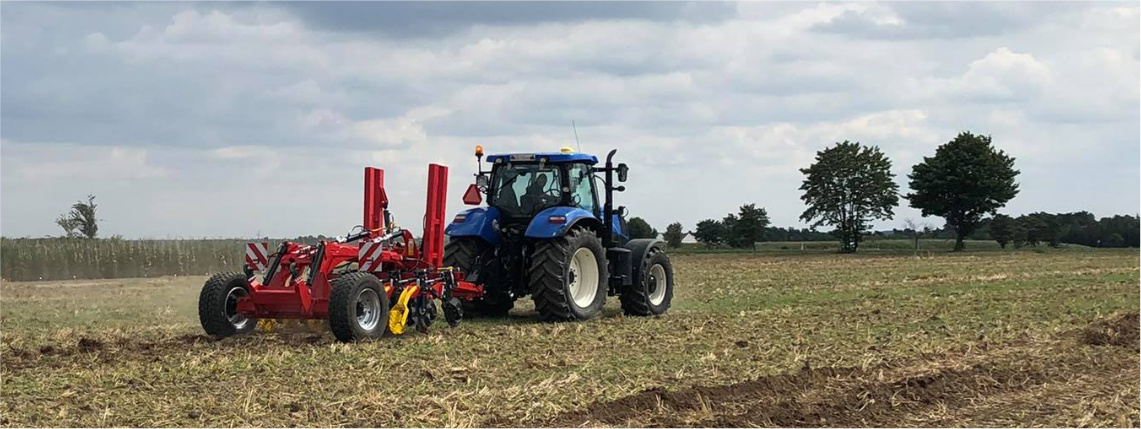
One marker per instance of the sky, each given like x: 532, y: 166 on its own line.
x: 257, y: 119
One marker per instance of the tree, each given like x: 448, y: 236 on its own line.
x: 1080, y: 228
x: 640, y: 229
x: 81, y: 217
x: 1018, y: 234
x: 966, y: 180
x: 1115, y: 240
x: 68, y: 224
x: 848, y: 186
x: 747, y: 227
x: 709, y: 232
x: 916, y: 231
x: 674, y: 234
x: 1119, y: 231
x: 1041, y: 228
x: 1002, y: 229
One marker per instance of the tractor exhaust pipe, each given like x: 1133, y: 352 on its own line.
x: 608, y: 208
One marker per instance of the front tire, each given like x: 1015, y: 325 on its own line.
x: 568, y: 276
x: 653, y: 291
x: 358, y: 308
x: 218, y: 306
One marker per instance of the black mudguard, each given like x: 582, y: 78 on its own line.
x: 639, y: 249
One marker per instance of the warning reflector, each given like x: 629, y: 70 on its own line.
x: 472, y: 197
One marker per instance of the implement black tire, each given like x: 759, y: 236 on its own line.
x: 551, y: 278
x: 358, y: 298
x: 217, y: 306
x: 640, y: 298
x: 461, y: 253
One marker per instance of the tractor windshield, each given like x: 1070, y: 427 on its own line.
x: 522, y: 190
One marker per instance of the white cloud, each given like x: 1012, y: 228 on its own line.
x: 1005, y: 75
x: 28, y: 163
x: 192, y: 104
x: 403, y: 132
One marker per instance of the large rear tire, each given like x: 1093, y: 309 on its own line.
x: 653, y: 291
x: 217, y: 306
x: 464, y: 253
x: 358, y: 308
x: 568, y: 276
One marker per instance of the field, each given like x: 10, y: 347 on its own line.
x: 991, y: 338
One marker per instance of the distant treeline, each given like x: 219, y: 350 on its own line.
x: 1082, y: 228
x: 24, y: 259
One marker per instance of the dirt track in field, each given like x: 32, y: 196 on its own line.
x: 922, y: 393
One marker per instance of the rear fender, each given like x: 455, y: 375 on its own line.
x: 541, y: 226
x: 479, y: 222
x: 639, y: 249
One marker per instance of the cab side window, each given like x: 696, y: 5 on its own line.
x: 582, y: 188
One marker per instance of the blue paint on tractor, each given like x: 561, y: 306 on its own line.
x: 616, y: 230
x: 542, y: 227
x: 552, y: 157
x: 477, y: 222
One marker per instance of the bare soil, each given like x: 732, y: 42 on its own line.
x: 1122, y: 331
x: 906, y: 395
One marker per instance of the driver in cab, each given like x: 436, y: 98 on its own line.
x: 533, y: 199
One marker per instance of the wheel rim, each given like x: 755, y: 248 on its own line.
x: 237, y: 319
x: 583, y: 286
x: 368, y: 309
x: 657, y: 284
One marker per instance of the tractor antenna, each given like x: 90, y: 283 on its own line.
x: 576, y: 136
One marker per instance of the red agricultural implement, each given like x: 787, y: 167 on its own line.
x: 375, y: 281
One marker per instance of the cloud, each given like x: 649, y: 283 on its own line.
x: 940, y: 20
x: 1003, y: 74
x: 712, y: 105
x: 70, y: 160
x: 438, y: 19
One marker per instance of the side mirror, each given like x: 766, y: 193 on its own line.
x: 481, y: 181
x: 622, y: 171
x: 472, y: 196
x: 622, y: 211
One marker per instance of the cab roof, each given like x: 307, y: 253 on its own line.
x: 551, y: 157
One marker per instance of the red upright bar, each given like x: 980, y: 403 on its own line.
x: 375, y: 200
x: 433, y: 237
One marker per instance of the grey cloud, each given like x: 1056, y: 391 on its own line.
x: 203, y: 99
x: 434, y: 19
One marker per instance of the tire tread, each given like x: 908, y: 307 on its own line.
x: 211, y: 298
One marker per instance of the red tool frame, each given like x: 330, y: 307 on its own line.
x: 297, y: 282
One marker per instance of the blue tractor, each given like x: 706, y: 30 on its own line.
x: 543, y: 233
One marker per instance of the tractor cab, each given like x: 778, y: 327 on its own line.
x: 522, y: 185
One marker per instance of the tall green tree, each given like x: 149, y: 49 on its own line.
x: 639, y: 228
x: 747, y: 227
x: 966, y: 180
x: 848, y: 186
x: 80, y: 218
x: 1002, y: 229
x: 709, y: 232
x: 673, y: 235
